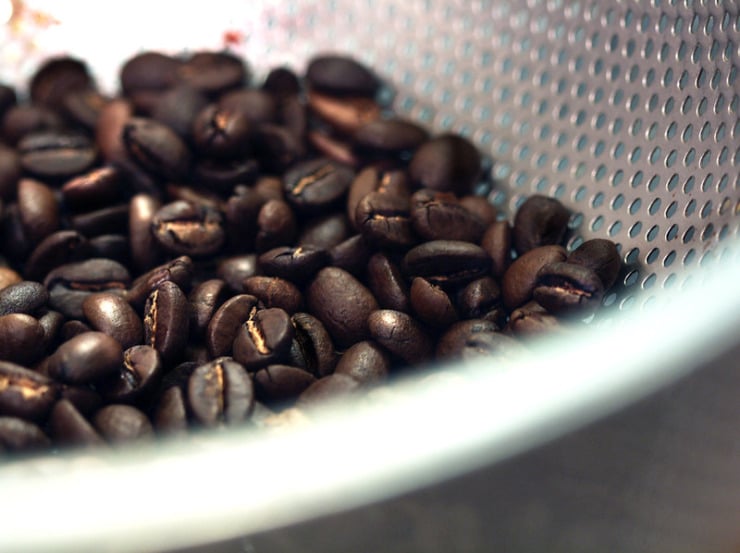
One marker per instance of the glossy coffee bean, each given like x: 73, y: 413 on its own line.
x: 374, y: 179
x: 296, y: 264
x: 601, y: 256
x: 220, y: 392
x: 478, y: 298
x: 233, y: 270
x: 539, y: 221
x: 109, y: 130
x: 385, y: 220
x: 347, y: 115
x: 156, y: 148
x: 188, y: 229
x: 566, y: 288
x: 440, y: 216
x: 325, y: 231
x: 342, y: 303
x: 481, y: 207
x: 24, y: 119
x: 389, y: 136
x: 8, y: 277
x: 148, y: 71
x: 138, y: 375
x: 73, y: 328
x: 170, y: 413
x: 107, y: 220
x: 446, y: 163
x: 20, y: 336
x: 531, y: 319
x: 280, y: 383
x: 114, y: 316
x: 276, y: 226
x: 178, y: 107
x: 56, y: 78
x: 457, y: 336
x: 55, y: 154
x: 213, y: 72
x: 94, y: 189
x: 145, y: 249
x: 178, y: 271
x: 331, y: 387
x: 336, y: 149
x: 367, y: 362
x: 166, y: 322
x: 25, y: 393
x: 222, y: 133
x: 68, y: 427
x: 59, y: 248
x: 10, y: 171
x: 38, y: 208
x: 385, y: 279
x: 226, y: 323
x: 111, y: 246
x: 258, y: 106
x: 22, y: 297
x: 281, y: 82
x: 496, y: 241
x: 277, y: 148
x: 275, y: 292
x: 447, y: 262
x: 118, y: 424
x: 431, y: 304
x: 51, y: 322
x: 400, y: 334
x: 520, y: 278
x: 84, y: 106
x: 317, y: 184
x: 203, y: 301
x: 341, y: 76
x: 240, y: 213
x: 351, y: 255
x: 314, y: 344
x: 263, y: 339
x: 86, y: 358
x: 18, y: 436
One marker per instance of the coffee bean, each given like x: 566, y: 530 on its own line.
x: 276, y: 226
x: 387, y: 283
x: 138, y: 375
x: 489, y: 344
x: 59, y: 248
x: 73, y: 328
x: 566, y: 288
x: 178, y: 107
x: 317, y: 184
x: 601, y: 256
x: 275, y: 292
x: 325, y: 231
x: 18, y: 435
x: 8, y: 277
x: 496, y: 241
x: 110, y: 246
x: 333, y: 148
x: 25, y: 393
x: 338, y: 75
x: 122, y: 424
x: 107, y: 220
x: 222, y: 133
x: 280, y: 383
x: 178, y: 270
x: 520, y: 278
x: 401, y: 335
x: 188, y: 229
x: 38, y: 209
x: 258, y: 106
x: 331, y: 387
x: 213, y: 72
x: 277, y: 148
x: 440, y: 216
x: 431, y: 304
x: 203, y: 301
x: 114, y: 316
x: 366, y: 362
x: 86, y: 358
x: 344, y: 114
x: 385, y: 220
x: 226, y: 323
x: 234, y: 270
x: 51, y: 322
x: 220, y: 392
x: 10, y: 172
x: 263, y: 339
x: 84, y: 106
x: 539, y: 221
x: 166, y: 320
x: 57, y: 77
x: 145, y: 249
x: 455, y: 339
x: 481, y: 208
x: 148, y: 71
x: 478, y: 298
x: 20, y: 335
x: 170, y: 414
x: 314, y: 344
x: 447, y: 262
x: 68, y: 426
x: 389, y: 136
x: 281, y: 82
x: 22, y: 297
x: 24, y: 119
x: 342, y: 303
x: 446, y: 163
x: 295, y: 264
x: 156, y: 148
x: 8, y: 98
x: 93, y: 189
x: 531, y: 319
x: 351, y: 255
x: 56, y: 154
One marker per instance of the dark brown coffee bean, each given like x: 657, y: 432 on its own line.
x: 179, y: 270
x: 447, y: 262
x: 454, y: 340
x: 56, y: 78
x: 10, y: 172
x: 203, y: 301
x: 440, y: 216
x: 385, y: 220
x: 333, y: 148
x: 88, y: 357
x: 431, y: 304
x: 170, y: 414
x: 94, y: 189
x: 446, y: 163
x: 56, y: 154
x: 275, y: 292
x: 224, y: 175
x: 277, y: 148
x: 68, y: 427
x: 519, y: 279
x: 8, y: 98
x: 149, y: 70
x: 488, y: 344
x: 497, y: 243
x: 325, y: 231
x: 258, y: 106
x: 281, y: 82
x: 25, y: 393
x: 110, y: 246
x: 20, y: 336
x: 601, y: 256
x: 351, y: 255
x: 314, y: 344
x: 342, y: 303
x: 389, y: 136
x: 145, y: 250
x: 233, y: 270
x: 122, y: 424
x: 178, y: 107
x: 276, y: 226
x: 478, y: 298
x: 331, y: 387
x: 23, y: 119
x: 346, y: 115
x: 38, y: 209
x: 17, y: 435
x: 220, y: 392
x: 263, y: 339
x: 73, y: 328
x: 317, y: 184
x: 138, y: 376
x: 84, y: 398
x: 481, y: 208
x: 280, y: 383
x: 539, y: 221
x: 107, y: 220
x: 385, y: 279
x: 567, y: 289
x: 401, y: 335
x: 8, y: 277
x: 226, y: 322
x: 222, y: 133
x: 531, y: 319
x: 114, y: 316
x: 366, y: 362
x: 188, y: 229
x: 166, y: 320
x: 51, y: 322
x: 23, y: 297
x: 213, y: 72
x: 338, y: 75
x: 241, y: 213
x: 295, y: 264
x: 84, y: 106
x: 156, y: 148
x: 109, y: 130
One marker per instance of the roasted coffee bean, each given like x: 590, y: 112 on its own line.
x: 178, y: 107
x: 55, y: 154
x: 263, y: 339
x: 38, y: 209
x: 487, y: 344
x: 314, y: 344
x: 389, y: 136
x: 15, y: 238
x: 385, y: 220
x: 213, y: 72
x: 351, y: 255
x: 203, y: 301
x: 318, y: 184
x: 325, y: 231
x: 294, y: 117
x: 88, y: 357
x: 234, y: 270
x: 222, y: 133
x: 241, y: 213
x: 179, y: 271
x: 566, y: 288
x: 170, y: 414
x: 338, y: 75
x: 84, y: 106
x: 226, y: 323
x: 150, y: 71
x: 110, y: 246
x: 8, y: 277
x: 276, y: 226
x: 220, y: 392
x: 258, y: 106
x: 109, y: 130
x: 331, y: 387
x: 281, y: 82
x: 333, y: 148
x: 366, y: 361
x: 342, y: 303
x: 23, y: 297
x: 497, y: 243
x: 295, y: 264
x: 68, y: 426
x: 188, y: 229
x: 166, y: 320
x: 431, y: 304
x: 70, y: 284
x: 156, y: 148
x: 446, y: 163
x: 56, y: 78
x: 138, y: 375
x: 85, y: 399
x: 520, y: 278
x: 10, y: 172
x: 25, y: 393
x: 94, y: 189
x: 531, y: 319
x: 275, y: 292
x: 51, y: 322
x: 107, y: 220
x: 280, y: 383
x: 481, y: 208
x: 118, y: 423
x: 8, y: 98
x: 447, y: 262
x: 59, y: 248
x: 401, y: 335
x: 20, y: 336
x: 114, y: 316
x: 277, y: 147
x: 18, y: 435
x: 385, y: 279
x: 440, y: 216
x: 478, y: 298
x: 346, y: 115
x: 73, y: 328
x: 539, y: 221
x: 454, y: 340
x: 145, y: 249
x: 601, y: 256
x: 23, y: 119
x: 224, y: 175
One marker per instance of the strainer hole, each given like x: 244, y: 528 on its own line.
x: 706, y: 258
x: 609, y: 299
x: 575, y: 221
x: 653, y: 183
x: 637, y: 179
x: 636, y: 127
x: 635, y: 229
x: 655, y: 155
x: 617, y: 127
x: 652, y: 256
x: 652, y: 233
x: 652, y: 131
x: 559, y: 191
x: 574, y: 243
x: 649, y: 282
x: 636, y: 154
x: 683, y: 80
x: 688, y: 236
x: 668, y: 106
x: 580, y: 194
x: 597, y: 200
x: 702, y: 107
x: 669, y: 281
x: 689, y: 257
x: 635, y: 206
x: 707, y: 233
x: 671, y: 131
x: 670, y: 160
x: 706, y: 209
x: 614, y: 228
x: 668, y: 77
x: 597, y: 223
x: 631, y: 278
x: 688, y: 132
x: 723, y: 183
x: 672, y: 182
x: 653, y: 101
x: 669, y: 258
x: 681, y: 53
x: 627, y: 303
x: 654, y: 206
x: 687, y: 104
x: 690, y: 207
x: 618, y: 174
x: 689, y: 158
x: 672, y: 233
x: 689, y: 184
x: 631, y: 258
x: 671, y: 209
x: 599, y: 148
x: 706, y: 130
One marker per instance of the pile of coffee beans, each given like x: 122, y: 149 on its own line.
x: 202, y: 250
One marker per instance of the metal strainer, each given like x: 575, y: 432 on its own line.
x: 627, y: 112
